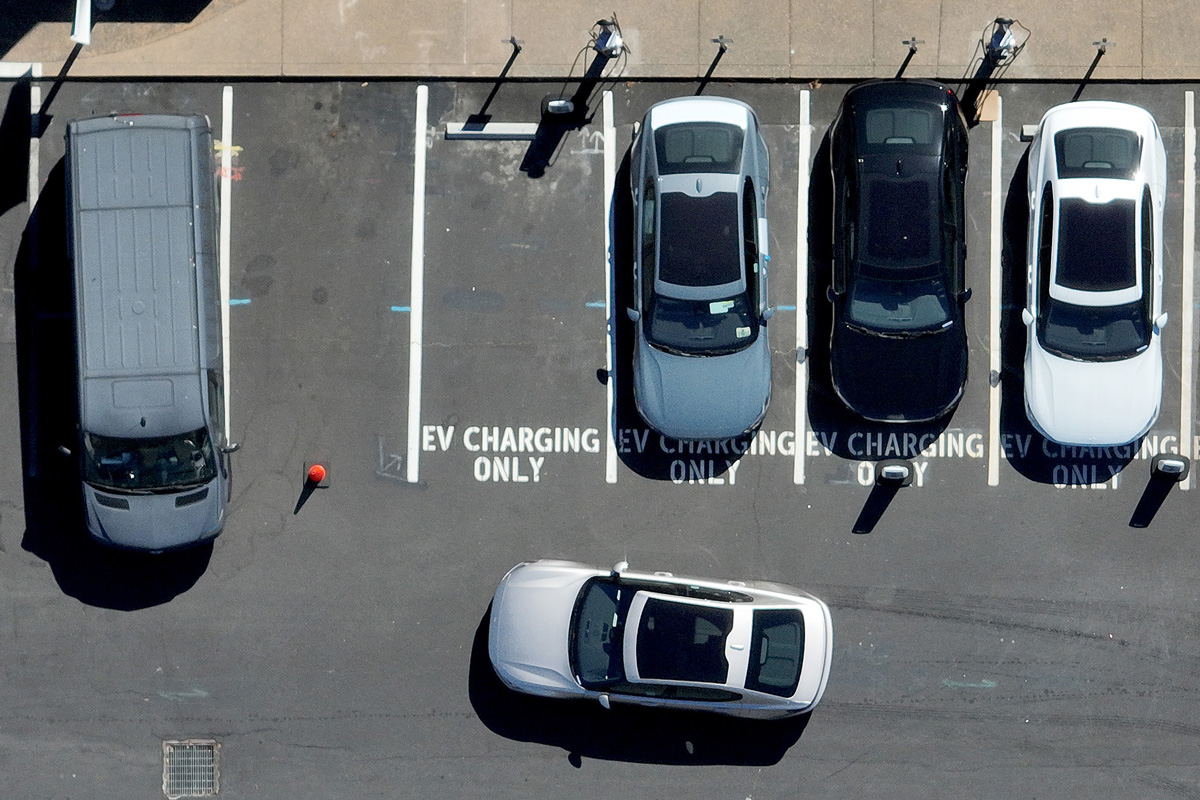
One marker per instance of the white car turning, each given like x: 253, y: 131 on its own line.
x: 1093, y: 362
x: 747, y: 649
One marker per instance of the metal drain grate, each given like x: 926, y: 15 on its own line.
x: 190, y: 768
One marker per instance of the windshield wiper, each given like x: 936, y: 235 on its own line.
x: 120, y: 489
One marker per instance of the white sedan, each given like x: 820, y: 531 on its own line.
x: 1093, y: 363
x: 747, y: 649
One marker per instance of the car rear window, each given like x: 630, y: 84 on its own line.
x: 1096, y: 247
x: 1097, y: 153
x: 776, y: 651
x: 683, y: 642
x: 699, y: 243
x: 901, y: 126
x: 698, y: 147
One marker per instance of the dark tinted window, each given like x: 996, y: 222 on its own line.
x: 776, y: 652
x: 903, y: 304
x: 750, y: 242
x: 668, y: 692
x: 901, y: 126
x: 915, y: 128
x: 596, y: 630
x: 1147, y: 235
x: 702, y: 327
x: 898, y: 223
x: 1096, y: 247
x: 699, y: 240
x: 649, y: 239
x: 698, y: 147
x: 1093, y: 333
x: 163, y: 463
x: 681, y: 641
x: 1097, y: 153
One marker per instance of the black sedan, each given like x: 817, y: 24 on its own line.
x: 898, y: 155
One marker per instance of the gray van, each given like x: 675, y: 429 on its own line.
x: 141, y: 224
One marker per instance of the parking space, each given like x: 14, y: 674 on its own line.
x: 997, y: 624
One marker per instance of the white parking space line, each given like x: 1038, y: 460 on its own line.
x: 223, y: 247
x: 802, y: 172
x: 994, y: 305
x: 1189, y: 264
x: 417, y: 287
x: 610, y: 176
x: 34, y: 186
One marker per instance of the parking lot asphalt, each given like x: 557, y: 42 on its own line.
x: 1000, y: 628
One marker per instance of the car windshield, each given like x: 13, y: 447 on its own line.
x: 701, y: 327
x: 597, y: 625
x: 1096, y: 247
x: 899, y: 304
x: 700, y: 244
x: 683, y: 642
x: 688, y: 147
x: 163, y: 463
x: 1093, y: 333
x: 776, y: 651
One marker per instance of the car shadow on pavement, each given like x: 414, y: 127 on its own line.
x: 643, y: 450
x: 1034, y: 456
x: 584, y: 729
x: 15, y: 129
x: 49, y: 410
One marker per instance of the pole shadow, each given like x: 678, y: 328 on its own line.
x: 553, y: 127
x: 584, y: 729
x: 55, y: 530
x: 877, y: 503
x: 1152, y: 499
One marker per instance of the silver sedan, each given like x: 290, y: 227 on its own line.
x: 699, y: 177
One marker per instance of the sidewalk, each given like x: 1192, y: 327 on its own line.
x: 797, y: 39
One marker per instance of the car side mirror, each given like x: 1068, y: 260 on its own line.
x: 1160, y: 322
x: 231, y: 448
x: 964, y: 295
x: 770, y: 312
x: 633, y: 314
x: 831, y: 294
x: 604, y: 701
x: 1026, y: 317
x: 620, y: 567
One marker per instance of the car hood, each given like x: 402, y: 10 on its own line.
x: 1093, y: 403
x: 531, y: 617
x: 155, y: 522
x: 703, y: 397
x: 891, y: 379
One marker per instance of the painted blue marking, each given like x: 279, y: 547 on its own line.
x: 594, y: 304
x: 401, y: 308
x: 241, y: 302
x: 786, y: 308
